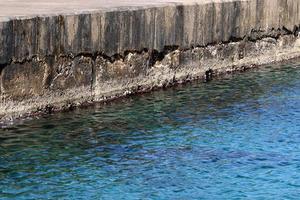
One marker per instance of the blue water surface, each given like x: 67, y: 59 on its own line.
x: 233, y: 138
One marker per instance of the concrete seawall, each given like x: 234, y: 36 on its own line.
x: 54, y: 59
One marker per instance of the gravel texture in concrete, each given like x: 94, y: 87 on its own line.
x: 60, y: 54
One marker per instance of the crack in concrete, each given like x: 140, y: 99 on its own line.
x: 160, y: 63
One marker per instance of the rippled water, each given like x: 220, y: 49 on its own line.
x: 236, y: 138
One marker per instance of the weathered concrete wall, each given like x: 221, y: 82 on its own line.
x: 53, y: 62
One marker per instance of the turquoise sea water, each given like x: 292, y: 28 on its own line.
x: 235, y: 138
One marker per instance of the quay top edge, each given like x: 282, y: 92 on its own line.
x: 22, y: 10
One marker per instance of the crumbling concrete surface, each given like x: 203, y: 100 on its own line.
x: 56, y: 60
